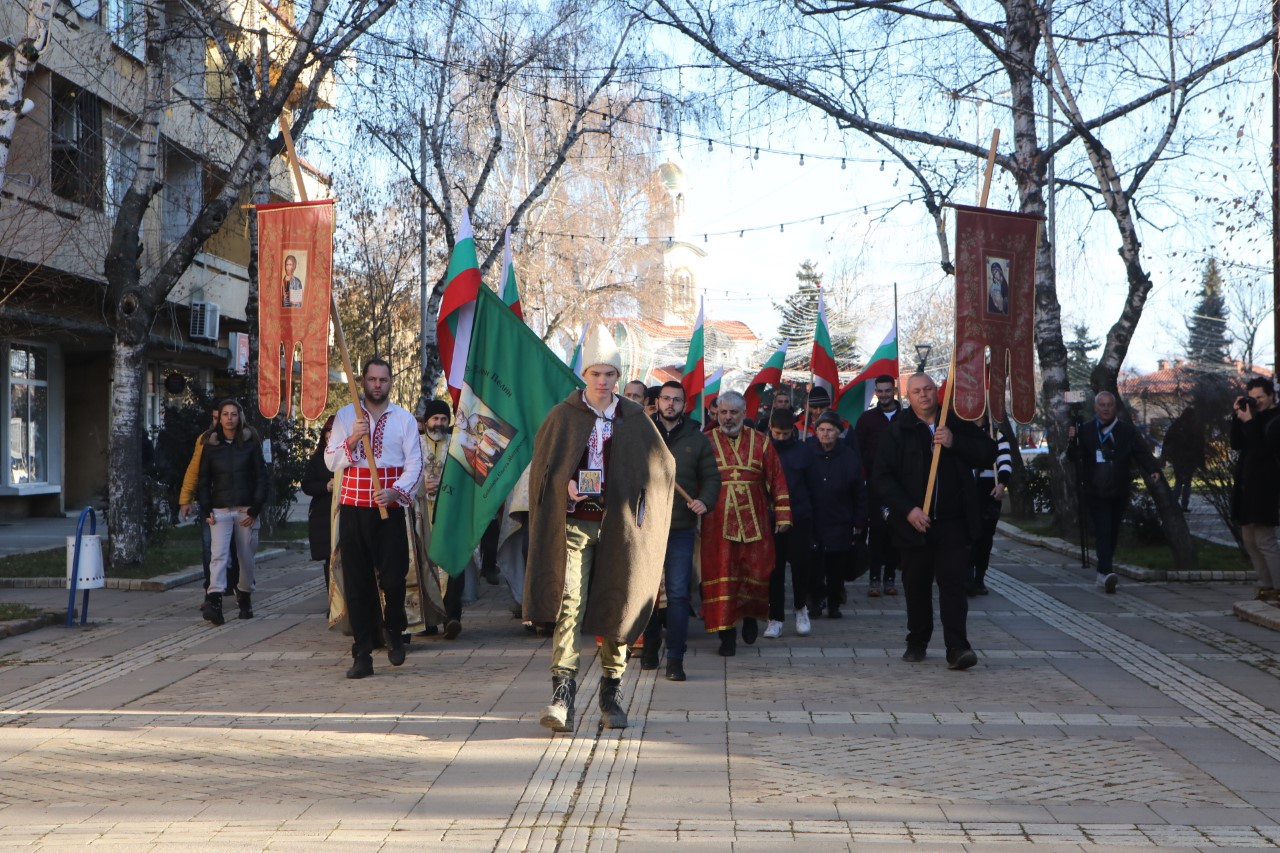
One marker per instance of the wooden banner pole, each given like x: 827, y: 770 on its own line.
x: 951, y: 371
x: 338, y: 337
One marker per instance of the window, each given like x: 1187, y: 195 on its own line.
x: 126, y: 22
x: 122, y: 164
x: 28, y: 414
x: 75, y: 161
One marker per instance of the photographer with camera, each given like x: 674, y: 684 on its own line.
x: 1255, y: 496
x: 1106, y: 449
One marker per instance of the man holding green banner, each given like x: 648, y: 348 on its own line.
x: 600, y: 498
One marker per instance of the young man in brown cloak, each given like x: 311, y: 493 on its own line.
x: 600, y: 497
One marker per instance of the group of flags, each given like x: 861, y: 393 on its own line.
x: 504, y: 380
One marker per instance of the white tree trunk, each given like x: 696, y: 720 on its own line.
x: 125, y: 493
x: 14, y: 68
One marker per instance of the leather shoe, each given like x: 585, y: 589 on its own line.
x: 962, y: 659
x: 649, y: 656
x: 452, y: 629
x: 361, y: 667
x: 750, y: 630
x: 913, y: 654
x: 395, y: 650
x: 675, y: 670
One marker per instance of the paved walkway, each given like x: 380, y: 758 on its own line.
x: 1149, y: 719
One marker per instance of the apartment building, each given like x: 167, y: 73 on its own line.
x: 72, y: 159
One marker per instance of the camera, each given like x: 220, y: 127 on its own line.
x: 1247, y: 404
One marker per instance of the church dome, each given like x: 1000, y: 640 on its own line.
x: 672, y: 177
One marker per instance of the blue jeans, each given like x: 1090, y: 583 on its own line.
x: 677, y: 574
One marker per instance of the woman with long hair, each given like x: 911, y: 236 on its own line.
x: 232, y: 490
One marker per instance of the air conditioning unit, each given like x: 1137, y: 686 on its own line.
x: 204, y: 320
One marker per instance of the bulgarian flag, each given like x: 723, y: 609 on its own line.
x: 823, y: 361
x: 510, y: 291
x: 493, y: 434
x: 692, y: 378
x: 858, y: 396
x: 458, y: 307
x: 575, y: 360
x: 770, y: 374
x: 712, y: 389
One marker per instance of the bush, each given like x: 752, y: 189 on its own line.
x: 1037, y: 484
x: 291, y: 447
x: 1145, y: 519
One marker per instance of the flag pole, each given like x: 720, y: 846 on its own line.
x: 951, y: 371
x: 338, y: 337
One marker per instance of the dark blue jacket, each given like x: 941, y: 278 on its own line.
x: 839, y: 494
x: 796, y: 462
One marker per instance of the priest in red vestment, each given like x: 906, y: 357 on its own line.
x: 737, y: 543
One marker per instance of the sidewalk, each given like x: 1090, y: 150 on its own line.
x: 1145, y: 720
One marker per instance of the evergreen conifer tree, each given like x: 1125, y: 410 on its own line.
x: 800, y: 315
x: 1208, y: 342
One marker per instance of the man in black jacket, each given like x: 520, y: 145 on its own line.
x: 1106, y: 449
x: 1255, y: 495
x: 794, y: 544
x: 882, y: 556
x: 698, y: 474
x: 933, y: 541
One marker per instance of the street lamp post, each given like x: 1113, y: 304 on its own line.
x: 922, y: 353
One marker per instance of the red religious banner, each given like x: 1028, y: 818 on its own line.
x: 995, y: 308
x: 295, y: 275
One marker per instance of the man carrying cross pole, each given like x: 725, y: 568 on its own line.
x: 371, y: 521
x: 933, y: 524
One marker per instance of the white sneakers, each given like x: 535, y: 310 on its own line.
x: 1108, y: 581
x: 773, y: 630
x: 802, y: 621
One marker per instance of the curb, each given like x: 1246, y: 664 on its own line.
x: 22, y: 626
x: 1139, y: 573
x: 159, y: 583
x: 1259, y: 613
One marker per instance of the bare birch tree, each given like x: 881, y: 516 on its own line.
x: 897, y: 73
x: 258, y: 83
x: 470, y: 64
x: 16, y: 63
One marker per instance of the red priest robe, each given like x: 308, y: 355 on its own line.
x: 737, y: 537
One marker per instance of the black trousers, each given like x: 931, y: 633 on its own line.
x: 827, y: 573
x: 453, y: 596
x: 882, y: 553
x: 790, y: 547
x: 1107, y: 515
x: 944, y: 559
x: 375, y: 555
x: 981, y: 551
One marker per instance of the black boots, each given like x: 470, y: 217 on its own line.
x: 750, y: 630
x: 558, y: 716
x: 361, y: 667
x: 246, y: 604
x: 212, y: 610
x: 611, y: 714
x: 728, y: 642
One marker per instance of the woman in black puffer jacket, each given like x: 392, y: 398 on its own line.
x: 231, y: 491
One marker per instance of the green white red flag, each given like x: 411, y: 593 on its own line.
x: 510, y: 291
x: 823, y: 360
x: 770, y: 374
x: 458, y: 307
x: 693, y: 377
x: 712, y: 389
x: 510, y: 381
x: 859, y: 395
x: 575, y: 360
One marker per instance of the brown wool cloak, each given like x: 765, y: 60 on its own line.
x: 639, y: 484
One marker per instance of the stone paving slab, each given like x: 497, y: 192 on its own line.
x: 1145, y: 720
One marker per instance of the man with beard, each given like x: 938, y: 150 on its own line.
x: 697, y: 474
x: 435, y: 451
x: 737, y: 550
x: 375, y: 551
